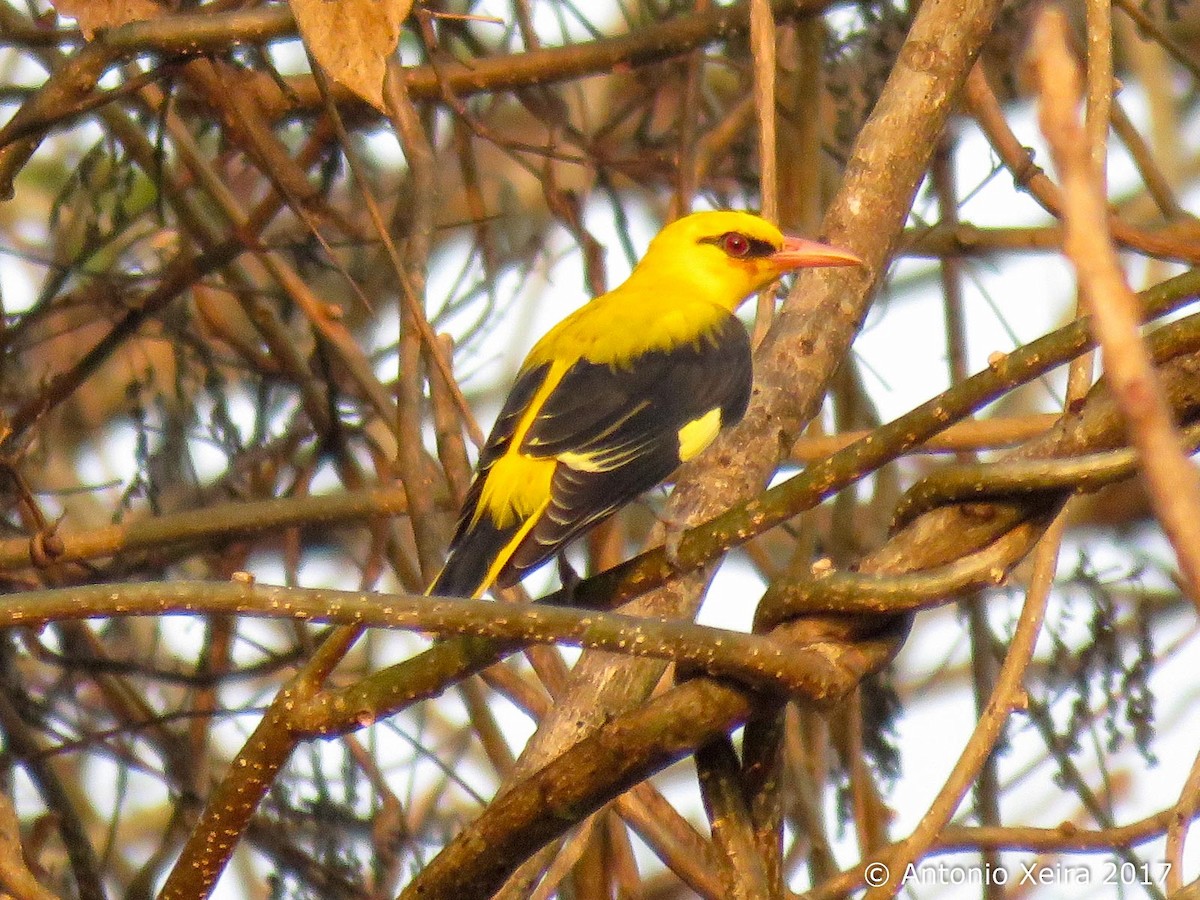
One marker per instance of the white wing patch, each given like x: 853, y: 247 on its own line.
x: 698, y: 434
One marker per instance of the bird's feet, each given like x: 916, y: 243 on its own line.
x: 674, y: 528
x: 569, y: 577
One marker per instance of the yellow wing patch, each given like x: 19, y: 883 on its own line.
x: 698, y: 434
x: 515, y: 488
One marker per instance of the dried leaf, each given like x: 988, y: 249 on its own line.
x: 93, y: 15
x: 352, y: 39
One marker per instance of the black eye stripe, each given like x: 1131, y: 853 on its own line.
x: 758, y: 248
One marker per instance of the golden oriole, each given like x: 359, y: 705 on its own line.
x: 618, y: 394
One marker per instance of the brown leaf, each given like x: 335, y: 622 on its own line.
x: 352, y: 39
x: 92, y: 15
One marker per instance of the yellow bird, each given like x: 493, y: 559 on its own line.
x: 618, y: 394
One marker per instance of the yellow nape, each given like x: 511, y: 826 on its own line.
x: 684, y: 287
x: 515, y: 488
x: 698, y: 434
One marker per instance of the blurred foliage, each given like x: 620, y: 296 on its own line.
x: 143, y: 375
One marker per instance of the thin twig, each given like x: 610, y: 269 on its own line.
x: 1171, y: 479
x: 1007, y: 697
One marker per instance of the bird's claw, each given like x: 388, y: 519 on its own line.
x: 674, y: 530
x: 569, y: 577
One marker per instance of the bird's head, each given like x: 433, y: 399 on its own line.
x: 733, y: 254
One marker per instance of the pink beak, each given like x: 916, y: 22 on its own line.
x: 799, y: 253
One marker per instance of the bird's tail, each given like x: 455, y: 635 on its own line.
x: 476, y: 559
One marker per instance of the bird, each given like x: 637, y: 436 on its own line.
x: 619, y: 394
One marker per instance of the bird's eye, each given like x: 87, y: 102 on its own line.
x: 736, y: 245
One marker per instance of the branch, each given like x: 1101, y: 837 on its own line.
x: 751, y: 658
x: 1172, y: 481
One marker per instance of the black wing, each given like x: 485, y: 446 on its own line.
x: 616, y: 431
